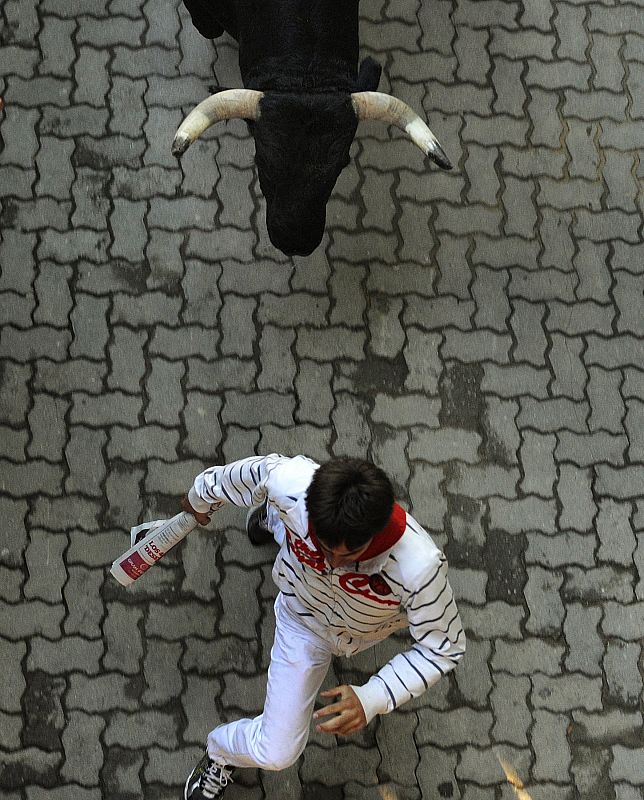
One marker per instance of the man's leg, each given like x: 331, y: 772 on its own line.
x: 276, y: 738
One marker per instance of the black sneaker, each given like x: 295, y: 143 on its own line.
x: 257, y: 526
x: 207, y: 780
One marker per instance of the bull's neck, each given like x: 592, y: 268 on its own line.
x: 297, y: 73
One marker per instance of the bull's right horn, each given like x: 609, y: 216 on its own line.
x: 386, y: 108
x: 229, y: 104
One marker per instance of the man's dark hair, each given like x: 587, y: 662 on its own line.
x: 349, y: 501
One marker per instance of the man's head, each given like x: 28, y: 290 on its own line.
x: 348, y: 501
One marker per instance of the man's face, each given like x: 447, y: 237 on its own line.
x: 340, y: 555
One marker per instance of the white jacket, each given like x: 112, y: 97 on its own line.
x: 400, y: 581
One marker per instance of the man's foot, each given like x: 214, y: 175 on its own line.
x: 257, y: 526
x: 207, y: 780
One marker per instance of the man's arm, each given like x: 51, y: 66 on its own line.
x: 435, y: 625
x: 242, y: 483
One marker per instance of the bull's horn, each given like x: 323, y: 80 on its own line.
x: 229, y: 104
x: 384, y: 107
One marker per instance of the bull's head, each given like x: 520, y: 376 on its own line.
x: 302, y: 144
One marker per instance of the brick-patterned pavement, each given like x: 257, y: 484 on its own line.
x: 480, y: 334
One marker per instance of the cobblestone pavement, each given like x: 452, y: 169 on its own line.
x: 480, y: 334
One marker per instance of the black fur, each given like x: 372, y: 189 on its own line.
x: 303, y: 54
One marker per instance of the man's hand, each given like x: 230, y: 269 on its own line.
x: 202, y: 519
x: 350, y: 714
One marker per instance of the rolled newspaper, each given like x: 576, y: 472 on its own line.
x: 148, y: 548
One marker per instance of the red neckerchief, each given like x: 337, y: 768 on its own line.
x: 382, y: 541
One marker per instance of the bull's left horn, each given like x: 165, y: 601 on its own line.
x: 384, y: 107
x: 229, y: 104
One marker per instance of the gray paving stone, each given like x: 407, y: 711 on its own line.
x: 628, y: 290
x: 45, y: 443
x: 21, y: 480
x: 123, y: 639
x: 101, y: 693
x: 458, y: 220
x: 61, y: 656
x: 580, y: 318
x: 91, y: 77
x: 13, y: 684
x: 552, y: 415
x: 171, y: 479
x: 628, y: 764
x: 493, y: 620
x: 480, y: 765
x: 615, y: 533
x: 340, y: 765
x: 483, y: 481
x: 448, y: 728
x: 41, y: 342
x: 622, y: 673
x: 597, y: 585
x: 127, y: 361
x: 130, y: 236
x: 559, y: 245
x: 622, y: 186
x: 605, y: 726
x: 621, y: 484
x: 587, y: 449
x: 143, y: 729
x: 585, y: 647
x: 178, y: 343
x: 399, y: 752
x: 473, y: 677
x: 514, y: 381
x: 278, y: 365
x: 438, y: 313
x: 519, y: 658
x: 11, y: 585
x: 85, y: 460
x: 198, y: 700
x: 563, y: 549
x: 349, y: 421
x: 605, y: 226
x: 428, y: 503
x: 566, y: 692
x: 121, y: 770
x: 549, y: 284
x: 140, y: 444
x: 483, y: 181
x: 85, y: 606
x: 547, y: 128
x: 538, y: 464
x: 313, y: 387
x: 512, y: 717
x: 607, y: 405
x: 552, y: 751
x: 83, y: 755
x: 201, y: 420
x: 170, y: 768
x: 164, y: 393
x: 184, y: 619
x: 543, y: 599
x: 30, y: 764
x: 574, y: 490
x: 565, y: 360
x: 347, y: 297
x: 14, y: 535
x: 623, y: 621
x: 435, y: 447
x: 389, y: 452
x: 522, y: 515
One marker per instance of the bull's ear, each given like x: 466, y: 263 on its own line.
x: 369, y: 75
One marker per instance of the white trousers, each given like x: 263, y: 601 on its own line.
x: 276, y: 738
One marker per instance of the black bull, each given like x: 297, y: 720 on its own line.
x: 303, y: 98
